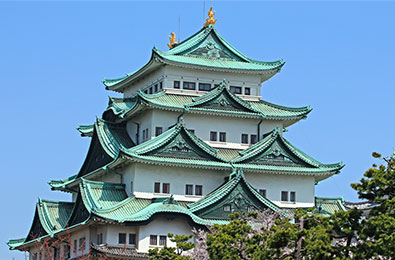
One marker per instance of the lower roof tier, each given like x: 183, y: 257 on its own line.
x: 109, y: 202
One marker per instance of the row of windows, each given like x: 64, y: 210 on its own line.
x: 188, y: 189
x: 153, y: 240
x: 253, y: 139
x: 189, y: 85
x: 165, y: 187
x: 214, y: 136
x: 288, y: 196
x: 122, y: 239
x: 155, y: 88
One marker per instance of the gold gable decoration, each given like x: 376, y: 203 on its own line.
x: 210, y: 19
x: 172, y: 39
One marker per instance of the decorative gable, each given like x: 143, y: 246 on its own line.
x: 211, y: 47
x: 177, y: 142
x: 275, y: 150
x: 221, y: 98
x: 236, y: 195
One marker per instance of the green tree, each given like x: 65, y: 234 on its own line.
x: 377, y: 231
x: 173, y: 253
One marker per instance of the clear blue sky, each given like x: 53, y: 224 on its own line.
x: 53, y: 56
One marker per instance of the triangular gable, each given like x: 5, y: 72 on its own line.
x: 275, y: 150
x: 236, y: 195
x: 221, y: 98
x: 207, y: 43
x: 177, y: 142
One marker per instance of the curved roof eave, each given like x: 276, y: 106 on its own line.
x: 119, y: 84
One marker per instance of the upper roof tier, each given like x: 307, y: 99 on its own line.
x: 218, y: 101
x: 205, y: 50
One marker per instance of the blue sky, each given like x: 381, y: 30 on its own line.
x: 53, y: 56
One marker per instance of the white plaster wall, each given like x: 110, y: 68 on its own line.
x: 202, y: 124
x: 161, y: 226
x: 304, y: 186
x: 145, y: 121
x: 76, y: 236
x: 146, y: 175
x: 128, y: 177
x: 168, y: 74
x: 112, y: 234
x: 149, y: 80
x: 204, y: 76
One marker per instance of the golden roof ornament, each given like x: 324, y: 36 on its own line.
x: 210, y: 19
x: 172, y: 38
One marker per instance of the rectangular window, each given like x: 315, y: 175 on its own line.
x: 176, y: 84
x: 82, y: 243
x: 157, y: 187
x: 166, y: 188
x: 222, y: 137
x: 161, y: 85
x: 204, y: 86
x: 153, y: 240
x: 121, y: 238
x: 253, y: 139
x: 146, y: 91
x: 189, y: 189
x: 292, y: 196
x: 235, y: 90
x: 244, y: 138
x: 156, y: 88
x: 100, y: 238
x: 55, y: 253
x: 158, y: 130
x: 66, y: 252
x: 247, y: 91
x: 131, y: 188
x: 150, y: 90
x: 198, y: 190
x: 213, y: 136
x: 132, y: 239
x: 263, y: 193
x: 284, y: 196
x: 189, y: 85
x: 75, y: 245
x: 162, y: 240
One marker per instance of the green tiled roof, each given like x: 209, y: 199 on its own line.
x: 224, y: 190
x: 54, y: 214
x: 275, y: 152
x: 85, y: 130
x: 167, y: 149
x: 328, y: 206
x: 129, y: 209
x: 205, y: 50
x: 232, y: 105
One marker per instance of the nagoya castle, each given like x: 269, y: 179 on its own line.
x: 190, y: 142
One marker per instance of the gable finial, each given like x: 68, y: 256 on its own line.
x: 210, y: 19
x: 172, y: 38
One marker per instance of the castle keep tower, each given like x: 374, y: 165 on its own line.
x: 190, y: 142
